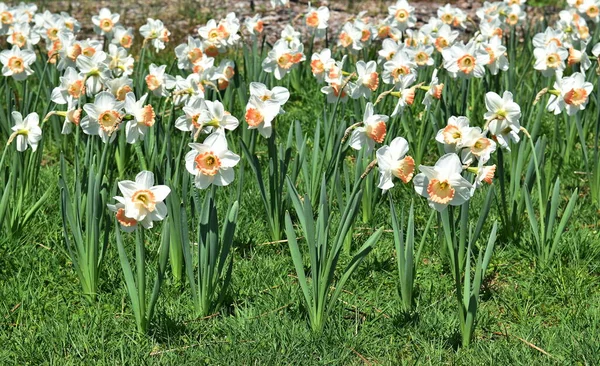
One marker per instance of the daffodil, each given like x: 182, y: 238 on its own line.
x: 570, y: 93
x: 103, y: 116
x: 443, y: 183
x: 372, y: 130
x: 143, y: 201
x: 26, y: 132
x: 211, y: 162
x: 392, y: 161
x: 17, y: 63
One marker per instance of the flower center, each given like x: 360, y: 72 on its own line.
x: 259, y: 26
x: 553, y: 60
x: 345, y: 39
x: 399, y: 71
x: 254, y: 117
x: 194, y: 55
x: 208, y: 163
x: 213, y: 35
x: 480, y: 146
x: 109, y: 121
x: 317, y: 66
x: 124, y: 220
x: 52, y: 34
x: 312, y: 20
x: 6, y: 17
x: 126, y: 41
x: 145, y: 198
x: 147, y: 115
x: 440, y: 191
x: 402, y: 15
x: 76, y: 89
x: 16, y: 65
x: 447, y: 18
x: 106, y: 25
x: 122, y: 92
x: 371, y: 81
x: 576, y: 97
x: 376, y: 131
x: 405, y: 169
x: 19, y: 39
x: 421, y: 58
x: 285, y: 61
x: 451, y: 134
x: 466, y: 64
x: 152, y: 82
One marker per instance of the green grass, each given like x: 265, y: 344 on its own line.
x: 45, y: 320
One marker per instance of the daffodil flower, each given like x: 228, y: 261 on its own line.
x: 443, y: 183
x: 570, y: 93
x: 393, y: 162
x: 211, y: 162
x: 372, y: 131
x: 26, y: 131
x: 142, y: 200
x: 17, y: 62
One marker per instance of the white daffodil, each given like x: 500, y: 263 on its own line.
x: 399, y: 66
x: 105, y: 21
x: 143, y: 117
x: 94, y: 70
x: 260, y: 115
x: 318, y: 19
x: 158, y: 81
x: 550, y: 59
x: 154, y: 31
x: 71, y: 85
x: 278, y: 94
x: 26, y: 131
x: 211, y: 162
x: 72, y: 115
x: 215, y: 118
x: 443, y: 183
x: 16, y: 62
x: 570, y: 93
x: 372, y: 131
x: 190, y: 121
x: 465, y: 61
x: 367, y: 79
x: 434, y: 90
x: 496, y: 51
x: 119, y: 87
x: 103, y: 117
x: 452, y: 136
x: 321, y: 63
x: 476, y: 146
x: 282, y: 58
x: 189, y: 54
x: 142, y: 200
x: 405, y: 93
x: 338, y: 88
x: 503, y: 118
x: 350, y: 38
x: 393, y: 162
x: 122, y: 37
x: 403, y: 15
x: 254, y: 25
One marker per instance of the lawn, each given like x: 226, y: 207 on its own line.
x: 538, y: 303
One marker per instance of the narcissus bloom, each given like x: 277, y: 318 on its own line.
x: 282, y: 58
x: 403, y: 15
x: 260, y: 114
x: 372, y: 131
x: 321, y: 63
x: 278, y: 94
x: 103, y: 116
x: 443, y: 183
x: 26, y: 131
x: 434, y: 90
x: 211, y: 162
x: 503, y: 118
x: 550, y: 60
x: 16, y: 62
x: 158, y: 81
x: 453, y: 134
x: 105, y: 21
x: 367, y: 79
x: 214, y: 118
x: 570, y: 93
x: 393, y: 162
x: 143, y: 117
x: 142, y: 200
x: 254, y: 25
x: 318, y: 19
x: 155, y: 32
x: 189, y: 54
x: 465, y: 60
x: 72, y: 85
